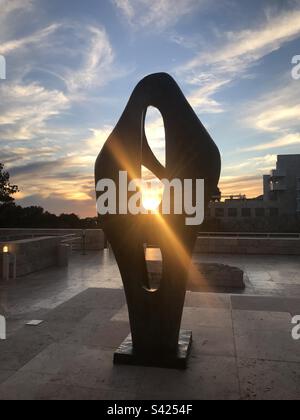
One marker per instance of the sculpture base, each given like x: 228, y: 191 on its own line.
x: 125, y: 355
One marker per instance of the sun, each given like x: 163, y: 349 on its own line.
x: 151, y: 199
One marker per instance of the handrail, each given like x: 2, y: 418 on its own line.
x: 78, y: 238
x: 72, y: 238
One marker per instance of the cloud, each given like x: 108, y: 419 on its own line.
x: 158, y: 14
x: 9, y: 6
x: 94, y: 63
x: 260, y: 163
x: 18, y: 156
x: 285, y: 141
x: 277, y: 118
x: 67, y: 61
x: 92, y: 145
x: 237, y: 178
x: 241, y: 49
x: 126, y: 7
x: 61, y: 184
x: 246, y: 185
x: 202, y: 98
x: 57, y: 204
x: 35, y: 38
x: 276, y: 113
x: 229, y: 60
x: 26, y: 109
x: 58, y: 178
x: 97, y: 60
x: 12, y: 13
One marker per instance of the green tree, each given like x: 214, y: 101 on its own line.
x: 6, y: 189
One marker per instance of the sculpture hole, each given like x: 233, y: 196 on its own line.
x: 155, y: 133
x: 152, y: 194
x: 154, y: 267
x: 151, y: 198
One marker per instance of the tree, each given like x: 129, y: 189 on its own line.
x: 6, y: 189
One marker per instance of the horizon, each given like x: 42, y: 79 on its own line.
x: 71, y: 67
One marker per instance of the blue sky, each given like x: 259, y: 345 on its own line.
x: 72, y: 64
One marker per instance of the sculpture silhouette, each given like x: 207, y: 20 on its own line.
x: 155, y: 315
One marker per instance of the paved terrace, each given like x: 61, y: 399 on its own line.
x: 242, y: 348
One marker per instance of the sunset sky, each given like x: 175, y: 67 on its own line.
x: 72, y: 65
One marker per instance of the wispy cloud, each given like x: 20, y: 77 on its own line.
x: 93, y: 144
x: 58, y: 67
x: 257, y: 164
x: 238, y: 178
x: 276, y: 113
x: 241, y: 49
x: 27, y: 107
x: 72, y: 60
x: 202, y: 98
x: 158, y: 14
x: 26, y: 110
x: 97, y: 59
x: 11, y: 13
x: 277, y: 118
x: 55, y: 180
x: 248, y: 185
x: 35, y: 38
x: 285, y: 141
x: 126, y: 7
x: 9, y: 6
x: 227, y: 61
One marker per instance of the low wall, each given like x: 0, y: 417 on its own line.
x: 94, y: 238
x: 42, y: 247
x: 248, y: 246
x: 34, y: 254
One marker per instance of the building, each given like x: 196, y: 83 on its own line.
x: 281, y: 195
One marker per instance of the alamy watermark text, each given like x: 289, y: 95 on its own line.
x: 2, y: 67
x: 177, y: 197
x: 296, y: 329
x: 2, y: 328
x: 296, y: 68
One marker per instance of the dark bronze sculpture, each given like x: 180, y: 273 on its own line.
x: 155, y: 315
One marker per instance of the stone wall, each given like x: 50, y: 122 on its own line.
x: 34, y: 254
x: 248, y: 246
x: 42, y: 247
x: 94, y: 237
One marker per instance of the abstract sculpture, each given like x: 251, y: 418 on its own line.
x: 155, y: 315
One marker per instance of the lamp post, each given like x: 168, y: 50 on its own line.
x: 9, y: 264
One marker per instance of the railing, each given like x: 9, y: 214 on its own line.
x: 72, y: 238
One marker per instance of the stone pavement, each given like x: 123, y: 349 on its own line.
x: 243, y: 348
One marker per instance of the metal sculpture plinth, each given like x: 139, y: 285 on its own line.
x: 155, y: 315
x: 125, y: 355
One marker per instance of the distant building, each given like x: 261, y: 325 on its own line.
x: 281, y: 195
